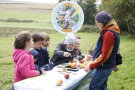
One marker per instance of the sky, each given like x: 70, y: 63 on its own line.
x: 40, y: 1
x: 33, y: 1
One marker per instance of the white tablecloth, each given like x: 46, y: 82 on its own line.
x: 48, y: 81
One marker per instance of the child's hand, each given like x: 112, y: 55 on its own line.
x: 43, y: 71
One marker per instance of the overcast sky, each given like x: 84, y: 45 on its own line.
x: 39, y: 1
x: 34, y: 1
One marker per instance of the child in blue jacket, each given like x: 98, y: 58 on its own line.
x: 43, y: 56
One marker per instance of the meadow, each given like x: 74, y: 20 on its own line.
x: 124, y: 79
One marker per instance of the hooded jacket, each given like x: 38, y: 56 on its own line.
x: 24, y: 65
x: 107, y: 47
x: 58, y: 57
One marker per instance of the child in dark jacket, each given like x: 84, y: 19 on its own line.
x: 64, y: 51
x: 46, y: 43
x: 46, y: 67
x: 43, y: 56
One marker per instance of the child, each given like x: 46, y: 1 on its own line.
x: 77, y: 51
x: 46, y: 40
x: 34, y: 53
x: 64, y: 51
x: 24, y: 63
x: 46, y: 43
x: 43, y: 56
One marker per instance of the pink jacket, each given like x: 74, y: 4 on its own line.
x: 24, y: 65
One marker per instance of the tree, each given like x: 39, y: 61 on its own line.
x: 123, y: 12
x: 89, y: 9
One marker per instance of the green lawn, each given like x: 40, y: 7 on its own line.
x: 124, y: 79
x: 39, y: 25
x: 40, y: 20
x: 22, y: 15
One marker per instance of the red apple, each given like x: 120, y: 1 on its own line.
x: 80, y: 66
x: 66, y: 76
x: 81, y: 61
x: 89, y: 58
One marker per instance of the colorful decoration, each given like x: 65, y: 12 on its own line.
x: 67, y: 17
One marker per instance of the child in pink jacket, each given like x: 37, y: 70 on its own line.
x: 24, y: 63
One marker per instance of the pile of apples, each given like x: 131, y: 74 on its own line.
x: 73, y: 64
x: 82, y: 63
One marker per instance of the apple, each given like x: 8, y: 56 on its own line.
x: 85, y: 59
x: 74, y: 61
x: 59, y: 82
x: 89, y: 58
x: 66, y: 76
x: 73, y: 65
x: 69, y: 64
x: 80, y: 66
x: 84, y: 64
x: 81, y: 61
x: 64, y: 69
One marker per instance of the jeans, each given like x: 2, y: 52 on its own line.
x: 99, y: 79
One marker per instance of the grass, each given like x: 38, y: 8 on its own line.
x: 40, y: 20
x: 38, y: 25
x: 124, y: 79
x: 35, y: 16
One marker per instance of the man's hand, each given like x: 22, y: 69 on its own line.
x: 67, y: 54
x: 87, y: 69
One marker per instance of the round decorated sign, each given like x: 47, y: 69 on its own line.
x: 67, y: 17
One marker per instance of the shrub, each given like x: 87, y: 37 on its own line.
x: 89, y: 28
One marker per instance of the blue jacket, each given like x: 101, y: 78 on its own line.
x: 43, y: 56
x: 43, y: 60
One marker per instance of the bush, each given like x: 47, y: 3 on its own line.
x: 8, y: 31
x: 16, y: 20
x: 123, y: 12
x: 89, y: 28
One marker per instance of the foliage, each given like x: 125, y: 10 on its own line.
x: 89, y: 9
x: 123, y: 12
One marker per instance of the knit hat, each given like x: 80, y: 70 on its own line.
x: 33, y: 52
x: 70, y: 39
x: 103, y: 17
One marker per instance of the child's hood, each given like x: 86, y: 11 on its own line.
x: 18, y: 53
